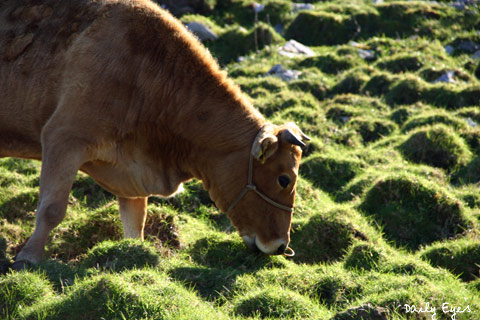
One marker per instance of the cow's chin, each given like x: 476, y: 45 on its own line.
x: 253, y: 243
x: 250, y: 242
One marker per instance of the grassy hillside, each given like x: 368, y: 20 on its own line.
x: 388, y: 208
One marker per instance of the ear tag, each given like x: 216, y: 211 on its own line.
x: 261, y: 157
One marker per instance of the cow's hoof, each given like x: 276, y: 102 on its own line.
x: 21, y: 265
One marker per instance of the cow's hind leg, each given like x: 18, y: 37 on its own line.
x: 133, y: 212
x: 62, y: 157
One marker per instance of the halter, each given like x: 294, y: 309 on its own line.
x: 250, y: 186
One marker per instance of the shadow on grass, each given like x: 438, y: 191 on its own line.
x: 4, y: 262
x: 222, y: 262
x: 90, y: 193
x: 209, y: 283
x: 20, y: 207
x: 60, y: 274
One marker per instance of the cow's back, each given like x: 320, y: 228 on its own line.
x: 108, y: 68
x: 34, y: 37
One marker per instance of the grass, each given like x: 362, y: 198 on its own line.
x: 387, y: 206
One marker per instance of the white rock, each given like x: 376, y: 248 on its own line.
x: 448, y: 77
x: 476, y: 55
x: 354, y: 44
x: 257, y: 7
x: 449, y: 49
x: 458, y: 5
x: 302, y: 6
x: 294, y: 48
x: 201, y: 31
x: 284, y: 74
x: 288, y: 74
x: 276, y: 69
x: 366, y: 54
x: 471, y: 122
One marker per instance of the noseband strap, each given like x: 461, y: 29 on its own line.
x: 252, y: 187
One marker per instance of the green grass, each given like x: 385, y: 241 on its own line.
x: 438, y: 146
x: 387, y: 206
x: 460, y: 257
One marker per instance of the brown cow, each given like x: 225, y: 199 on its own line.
x: 120, y: 90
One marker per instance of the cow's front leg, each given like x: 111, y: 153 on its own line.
x: 60, y: 163
x: 133, y: 212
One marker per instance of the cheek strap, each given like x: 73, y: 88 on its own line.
x: 252, y: 187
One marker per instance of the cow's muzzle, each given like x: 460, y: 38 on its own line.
x: 276, y: 247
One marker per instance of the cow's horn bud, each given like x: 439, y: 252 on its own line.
x: 304, y: 136
x: 288, y: 136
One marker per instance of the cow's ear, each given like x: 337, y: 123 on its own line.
x: 265, y: 145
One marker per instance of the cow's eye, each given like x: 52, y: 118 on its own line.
x: 284, y: 181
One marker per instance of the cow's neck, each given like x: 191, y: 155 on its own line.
x: 194, y: 102
x: 220, y: 148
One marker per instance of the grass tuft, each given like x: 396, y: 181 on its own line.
x: 461, y: 257
x: 405, y: 91
x: 330, y: 173
x: 122, y: 255
x: 21, y: 289
x: 401, y: 63
x: 322, y: 239
x: 413, y: 212
x: 274, y: 302
x: 364, y: 257
x: 438, y: 146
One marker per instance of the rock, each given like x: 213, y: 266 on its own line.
x: 366, y: 311
x: 449, y: 49
x: 275, y: 69
x: 257, y: 7
x: 344, y: 119
x: 476, y: 55
x: 463, y: 4
x: 458, y: 5
x: 448, y: 77
x: 471, y: 123
x: 293, y: 48
x: 302, y: 6
x: 355, y: 44
x: 366, y: 54
x: 284, y: 74
x: 202, y: 31
x: 468, y: 46
x: 279, y: 28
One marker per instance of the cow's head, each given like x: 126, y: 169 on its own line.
x: 262, y: 210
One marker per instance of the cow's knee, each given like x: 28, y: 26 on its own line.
x: 51, y: 214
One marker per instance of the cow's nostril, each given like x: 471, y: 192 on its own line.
x: 281, y: 249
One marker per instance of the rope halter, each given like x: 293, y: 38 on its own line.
x: 250, y: 186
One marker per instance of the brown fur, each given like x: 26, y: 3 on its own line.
x: 120, y: 90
